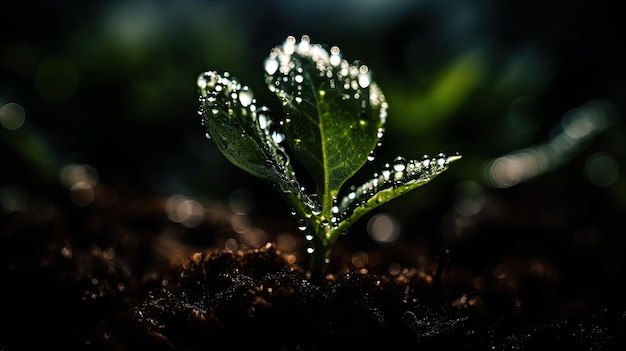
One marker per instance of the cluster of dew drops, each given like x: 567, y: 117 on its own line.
x: 222, y: 95
x: 212, y: 85
x: 401, y: 172
x: 285, y: 76
x: 226, y: 93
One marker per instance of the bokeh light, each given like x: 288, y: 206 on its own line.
x: 602, y: 169
x: 575, y: 131
x: 12, y: 116
x: 186, y: 211
x: 80, y: 180
x: 73, y: 174
x: 383, y: 228
x: 469, y: 198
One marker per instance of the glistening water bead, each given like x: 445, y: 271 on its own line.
x: 225, y: 106
x: 399, y: 164
x: 395, y: 177
x: 283, y: 74
x: 302, y: 226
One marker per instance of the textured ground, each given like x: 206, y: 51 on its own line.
x: 145, y: 287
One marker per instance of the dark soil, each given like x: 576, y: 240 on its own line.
x: 129, y: 279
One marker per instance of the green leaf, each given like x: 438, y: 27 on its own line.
x: 395, y: 179
x: 334, y: 113
x: 244, y: 133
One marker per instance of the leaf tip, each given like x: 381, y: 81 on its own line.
x: 455, y: 157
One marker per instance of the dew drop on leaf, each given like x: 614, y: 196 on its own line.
x: 278, y: 137
x: 399, y: 164
x: 380, y: 133
x: 245, y: 97
x: 263, y: 121
x: 271, y: 65
x: 372, y: 156
x: 302, y: 226
x: 335, y: 58
x: 364, y: 78
x: 386, y: 172
x: 207, y: 80
x: 442, y: 159
x: 310, y: 248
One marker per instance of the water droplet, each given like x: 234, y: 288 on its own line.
x: 313, y: 203
x: 386, y: 172
x: 380, y: 133
x: 442, y: 159
x: 202, y: 81
x: 210, y: 99
x: 271, y: 65
x: 264, y: 121
x: 289, y: 45
x: 354, y: 85
x: 309, y: 248
x: 245, y: 97
x: 278, y: 137
x: 305, y: 45
x: 399, y: 164
x: 302, y: 225
x: 364, y: 77
x: 207, y: 80
x: 372, y: 156
x: 293, y: 212
x: 207, y: 135
x: 335, y: 57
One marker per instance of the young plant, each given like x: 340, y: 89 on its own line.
x: 333, y: 118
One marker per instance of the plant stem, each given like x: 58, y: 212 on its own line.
x: 318, y: 260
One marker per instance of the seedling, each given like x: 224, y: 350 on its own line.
x: 333, y: 118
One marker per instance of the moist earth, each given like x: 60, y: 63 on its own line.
x: 151, y: 285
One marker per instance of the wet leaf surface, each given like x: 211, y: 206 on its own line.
x: 334, y: 113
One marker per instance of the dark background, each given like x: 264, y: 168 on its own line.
x: 111, y: 85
